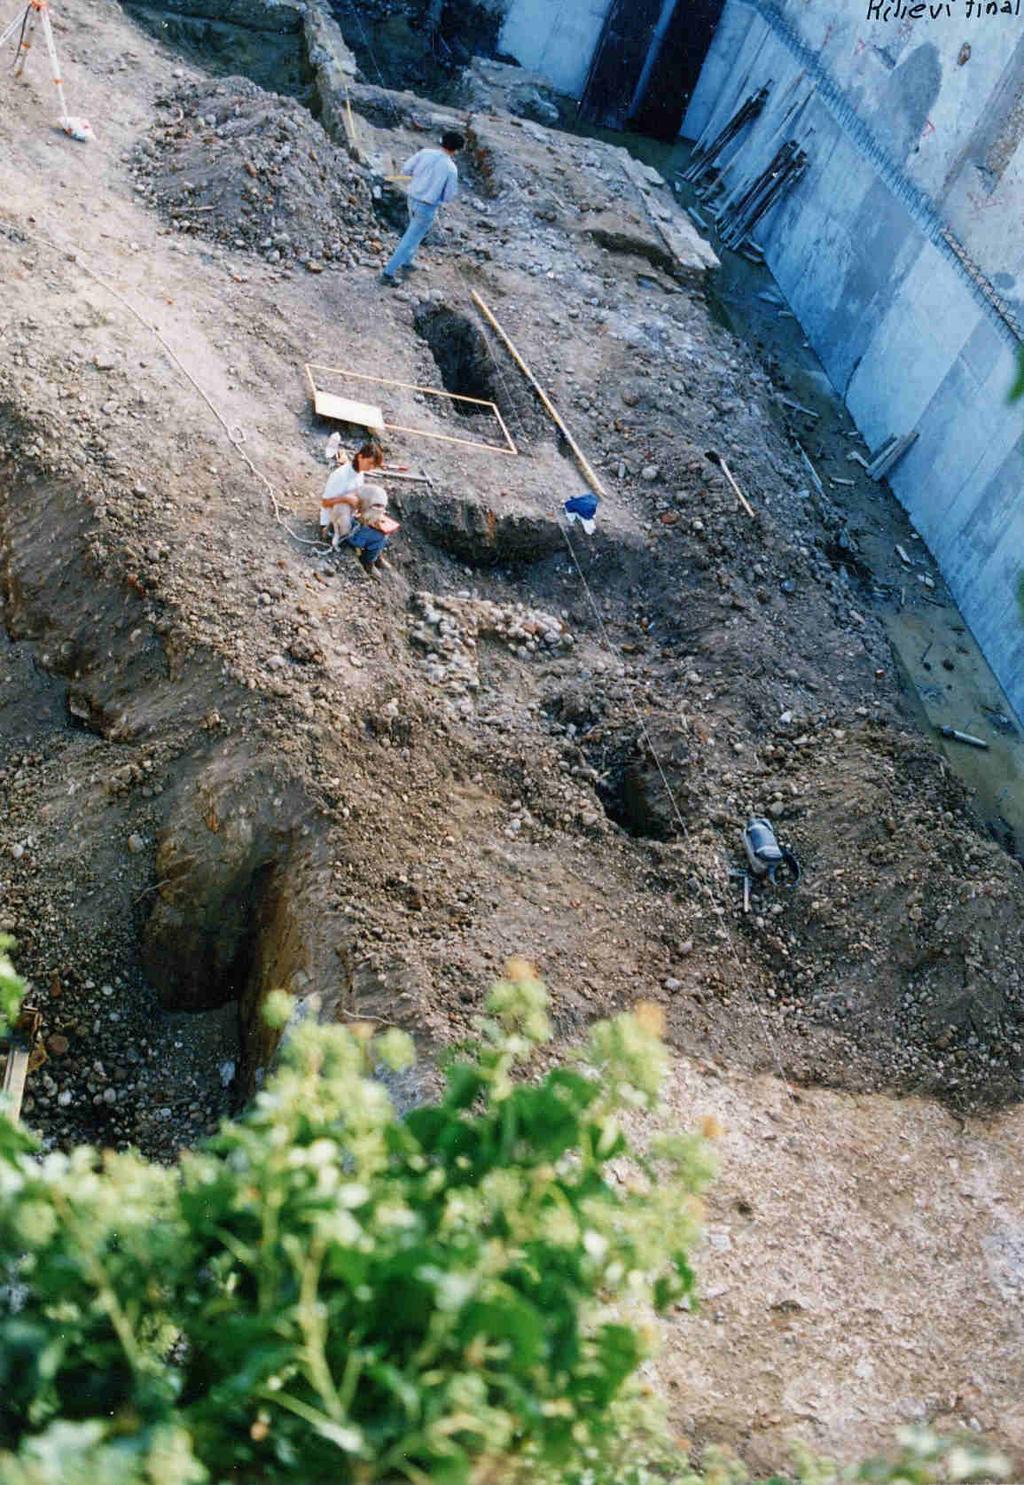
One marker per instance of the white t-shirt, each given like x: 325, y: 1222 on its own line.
x: 341, y: 481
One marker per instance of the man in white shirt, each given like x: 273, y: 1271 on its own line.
x: 433, y: 180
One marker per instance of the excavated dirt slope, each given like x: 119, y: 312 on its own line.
x: 230, y: 762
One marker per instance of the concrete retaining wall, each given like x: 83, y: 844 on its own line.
x: 556, y: 41
x: 914, y: 131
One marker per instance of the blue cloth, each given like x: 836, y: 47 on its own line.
x: 434, y: 177
x: 421, y: 219
x: 584, y: 506
x: 367, y: 542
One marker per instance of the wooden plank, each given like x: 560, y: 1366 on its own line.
x: 881, y: 465
x: 344, y: 410
x: 798, y: 407
x: 15, y: 1073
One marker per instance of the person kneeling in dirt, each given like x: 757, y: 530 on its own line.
x: 345, y: 490
x: 371, y: 529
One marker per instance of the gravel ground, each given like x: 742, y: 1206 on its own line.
x: 230, y: 762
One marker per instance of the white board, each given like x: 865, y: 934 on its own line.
x: 344, y: 410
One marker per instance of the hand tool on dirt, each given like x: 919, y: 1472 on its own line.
x: 336, y: 451
x: 716, y: 458
x: 744, y: 877
x: 963, y: 737
x: 405, y: 474
x: 37, y: 12
x: 766, y: 855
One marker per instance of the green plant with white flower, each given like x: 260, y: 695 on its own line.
x: 327, y: 1291
x: 12, y: 986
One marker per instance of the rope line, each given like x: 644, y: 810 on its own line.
x: 234, y: 433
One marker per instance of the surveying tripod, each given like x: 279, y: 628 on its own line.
x: 37, y: 12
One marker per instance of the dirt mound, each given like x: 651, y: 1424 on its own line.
x: 252, y: 170
x: 904, y: 941
x: 909, y: 927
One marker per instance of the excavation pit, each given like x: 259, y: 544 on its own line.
x: 472, y: 534
x: 470, y: 368
x: 461, y: 355
x: 648, y: 793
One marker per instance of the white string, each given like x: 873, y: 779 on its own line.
x: 235, y: 434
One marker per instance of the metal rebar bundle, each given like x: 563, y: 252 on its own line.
x: 741, y: 215
x: 743, y: 196
x: 704, y: 157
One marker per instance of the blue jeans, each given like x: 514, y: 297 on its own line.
x: 421, y: 219
x: 369, y: 543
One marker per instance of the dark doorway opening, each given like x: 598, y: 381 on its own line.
x: 646, y: 64
x: 665, y: 93
x: 618, y: 61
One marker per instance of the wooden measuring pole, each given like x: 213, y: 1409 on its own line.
x: 581, y: 458
x: 736, y: 490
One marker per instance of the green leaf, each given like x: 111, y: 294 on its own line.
x: 12, y: 986
x: 508, y: 1319
x: 324, y: 1282
x: 1017, y: 390
x: 465, y: 1084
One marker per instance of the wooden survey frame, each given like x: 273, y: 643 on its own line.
x: 384, y: 381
